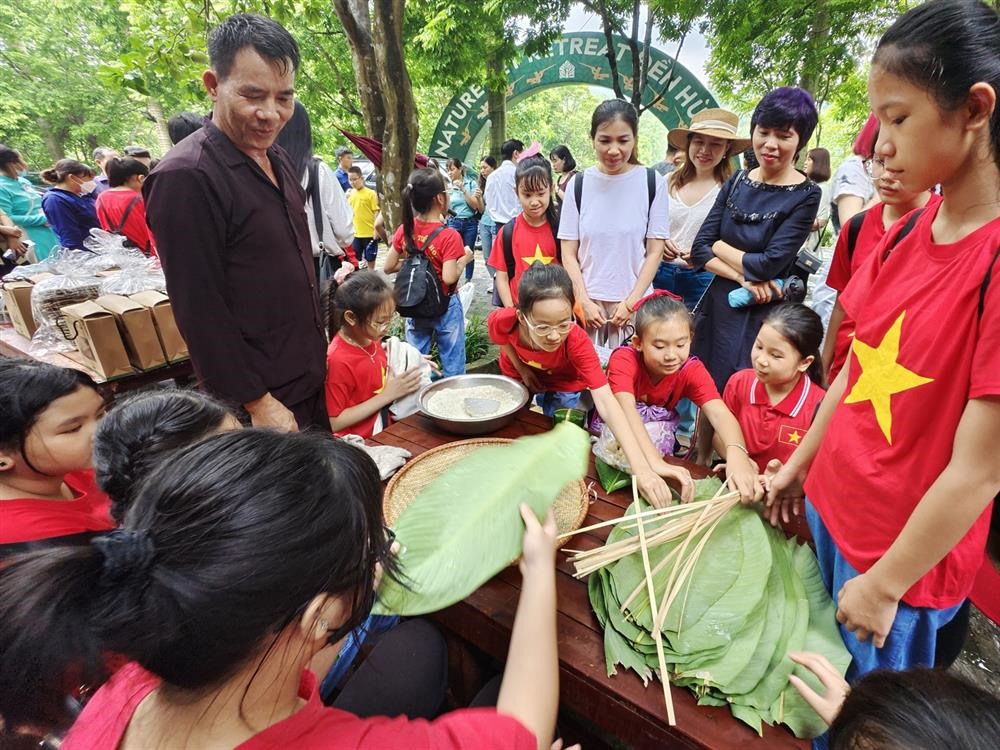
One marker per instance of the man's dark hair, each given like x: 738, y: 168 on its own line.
x: 509, y: 148
x: 120, y: 171
x: 268, y: 37
x: 137, y: 151
x: 356, y: 170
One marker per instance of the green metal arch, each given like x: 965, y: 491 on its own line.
x: 578, y: 58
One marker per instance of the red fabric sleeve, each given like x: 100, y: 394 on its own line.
x: 840, y: 266
x: 698, y: 384
x: 985, y: 378
x: 397, y: 239
x: 449, y: 244
x: 731, y: 394
x: 497, y: 261
x: 622, y: 370
x: 500, y: 323
x: 584, y: 357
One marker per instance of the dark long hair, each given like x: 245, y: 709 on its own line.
x: 482, y: 178
x: 562, y: 152
x: 223, y: 547
x: 617, y: 109
x: 422, y: 187
x: 141, y: 430
x: 804, y: 330
x: 944, y: 47
x: 919, y: 709
x: 63, y: 168
x: 363, y: 293
x: 541, y: 282
x: 296, y: 138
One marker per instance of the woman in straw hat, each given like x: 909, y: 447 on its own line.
x: 707, y: 147
x: 752, y: 235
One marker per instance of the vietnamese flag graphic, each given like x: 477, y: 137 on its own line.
x: 790, y: 435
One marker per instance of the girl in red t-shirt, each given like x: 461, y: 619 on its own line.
x: 651, y: 375
x: 533, y: 237
x: 542, y: 346
x: 359, y: 383
x: 896, y: 202
x: 425, y: 204
x: 901, y: 464
x: 245, y: 556
x: 775, y: 401
x: 48, y: 415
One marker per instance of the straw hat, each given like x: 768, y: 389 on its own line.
x: 718, y: 123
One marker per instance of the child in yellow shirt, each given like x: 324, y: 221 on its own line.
x: 364, y: 203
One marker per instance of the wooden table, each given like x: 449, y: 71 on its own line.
x: 13, y: 344
x: 619, y: 706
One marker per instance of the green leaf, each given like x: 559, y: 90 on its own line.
x: 705, y: 489
x: 466, y: 527
x: 611, y: 478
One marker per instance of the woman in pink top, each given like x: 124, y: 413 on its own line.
x: 241, y: 559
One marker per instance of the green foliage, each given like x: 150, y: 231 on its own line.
x: 454, y: 540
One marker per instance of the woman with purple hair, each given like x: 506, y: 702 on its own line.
x: 752, y: 235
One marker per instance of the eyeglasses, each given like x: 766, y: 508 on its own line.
x: 380, y: 326
x: 544, y: 330
x: 874, y: 167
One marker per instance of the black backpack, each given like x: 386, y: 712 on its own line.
x: 507, y: 242
x: 418, y: 287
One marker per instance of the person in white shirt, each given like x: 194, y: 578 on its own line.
x: 612, y: 245
x: 500, y: 193
x: 336, y: 229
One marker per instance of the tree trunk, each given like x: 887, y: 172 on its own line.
x: 356, y: 20
x: 608, y: 27
x: 400, y: 143
x: 162, y: 135
x: 55, y: 140
x: 496, y: 100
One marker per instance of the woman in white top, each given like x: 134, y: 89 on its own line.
x: 611, y: 247
x: 708, y: 146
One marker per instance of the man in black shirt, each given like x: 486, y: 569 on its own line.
x: 227, y: 211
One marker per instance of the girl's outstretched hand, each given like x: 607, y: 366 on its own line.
x: 866, y: 610
x: 835, y: 687
x: 784, y: 492
x: 654, y: 489
x: 539, y: 541
x: 742, y: 476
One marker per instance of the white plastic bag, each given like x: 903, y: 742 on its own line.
x: 465, y: 295
x: 403, y: 356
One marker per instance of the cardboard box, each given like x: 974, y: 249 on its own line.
x: 135, y: 324
x: 174, y: 347
x: 17, y: 298
x: 96, y: 336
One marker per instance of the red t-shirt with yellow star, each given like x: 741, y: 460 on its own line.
x: 354, y: 375
x: 572, y: 367
x: 921, y: 351
x: 628, y: 374
x: 529, y: 244
x: 771, y: 430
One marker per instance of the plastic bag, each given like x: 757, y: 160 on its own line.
x: 47, y: 298
x: 133, y: 281
x: 660, y: 424
x: 465, y: 295
x: 402, y: 356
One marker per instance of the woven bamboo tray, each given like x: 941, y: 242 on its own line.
x: 570, y: 507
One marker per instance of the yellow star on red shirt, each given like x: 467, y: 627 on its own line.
x: 794, y: 437
x: 537, y: 257
x: 882, y: 376
x: 384, y: 374
x: 533, y: 363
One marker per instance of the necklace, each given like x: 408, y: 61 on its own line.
x: 347, y: 339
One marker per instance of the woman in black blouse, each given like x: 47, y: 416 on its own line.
x: 752, y: 235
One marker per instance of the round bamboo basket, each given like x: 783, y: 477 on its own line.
x: 570, y: 507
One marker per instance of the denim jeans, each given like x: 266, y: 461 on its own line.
x: 449, y: 332
x: 468, y: 228
x: 487, y: 235
x: 552, y: 400
x: 688, y: 284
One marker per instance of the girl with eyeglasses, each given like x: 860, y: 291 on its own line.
x: 542, y: 346
x: 359, y: 383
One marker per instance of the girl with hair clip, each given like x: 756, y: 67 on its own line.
x: 220, y: 598
x: 775, y: 401
x: 143, y: 429
x: 654, y: 373
x: 359, y: 382
x: 48, y: 416
x: 425, y: 204
x: 532, y: 235
x: 900, y: 512
x: 542, y: 346
x: 612, y: 237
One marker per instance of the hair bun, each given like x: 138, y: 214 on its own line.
x: 126, y: 553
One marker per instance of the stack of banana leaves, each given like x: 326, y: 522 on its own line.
x: 732, y: 597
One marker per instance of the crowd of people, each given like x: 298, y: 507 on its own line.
x: 207, y: 571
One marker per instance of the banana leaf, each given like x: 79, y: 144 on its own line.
x: 611, y: 478
x: 705, y: 489
x: 465, y: 527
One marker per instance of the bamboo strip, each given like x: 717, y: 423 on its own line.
x: 657, y: 636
